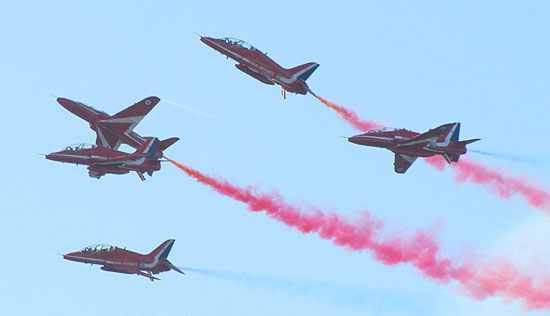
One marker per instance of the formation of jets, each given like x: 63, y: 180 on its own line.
x: 112, y: 131
x: 406, y: 145
x: 101, y: 160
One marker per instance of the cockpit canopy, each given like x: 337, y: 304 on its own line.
x: 383, y: 129
x: 77, y: 147
x: 238, y: 42
x: 90, y: 107
x: 98, y: 248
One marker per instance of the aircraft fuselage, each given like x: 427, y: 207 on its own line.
x: 97, y: 157
x: 256, y: 64
x: 115, y: 259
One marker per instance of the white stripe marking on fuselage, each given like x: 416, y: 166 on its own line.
x: 156, y: 259
x: 375, y: 137
x: 280, y: 80
x: 81, y: 156
x: 135, y: 264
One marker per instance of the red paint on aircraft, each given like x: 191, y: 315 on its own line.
x: 120, y: 260
x: 408, y: 145
x: 101, y: 160
x: 114, y: 130
x: 257, y: 65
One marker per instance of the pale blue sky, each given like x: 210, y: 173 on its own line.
x: 415, y: 65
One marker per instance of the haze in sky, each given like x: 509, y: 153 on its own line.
x: 417, y: 66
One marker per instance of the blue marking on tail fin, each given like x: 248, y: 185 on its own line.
x: 454, y: 137
x: 308, y: 73
x: 153, y: 149
x: 166, y: 252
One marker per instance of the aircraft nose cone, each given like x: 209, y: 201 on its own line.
x: 352, y: 139
x: 209, y: 41
x: 72, y: 256
x: 51, y: 156
x: 54, y: 157
x: 62, y: 101
x: 66, y: 103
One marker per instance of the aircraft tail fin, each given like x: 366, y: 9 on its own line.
x: 455, y: 135
x: 447, y: 133
x: 163, y: 144
x: 162, y: 251
x: 441, y: 134
x: 303, y: 72
x: 149, y: 147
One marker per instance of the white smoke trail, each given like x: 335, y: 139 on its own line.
x: 320, y: 290
x: 190, y: 109
x: 515, y: 158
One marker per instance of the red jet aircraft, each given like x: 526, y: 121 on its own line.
x: 120, y: 260
x: 114, y: 130
x: 101, y: 160
x: 256, y: 64
x: 408, y: 146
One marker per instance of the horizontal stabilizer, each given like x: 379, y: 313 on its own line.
x: 173, y: 267
x: 469, y: 141
x: 163, y: 144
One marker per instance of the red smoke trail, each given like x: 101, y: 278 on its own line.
x: 350, y: 116
x: 504, y: 186
x: 420, y: 250
x: 467, y: 169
